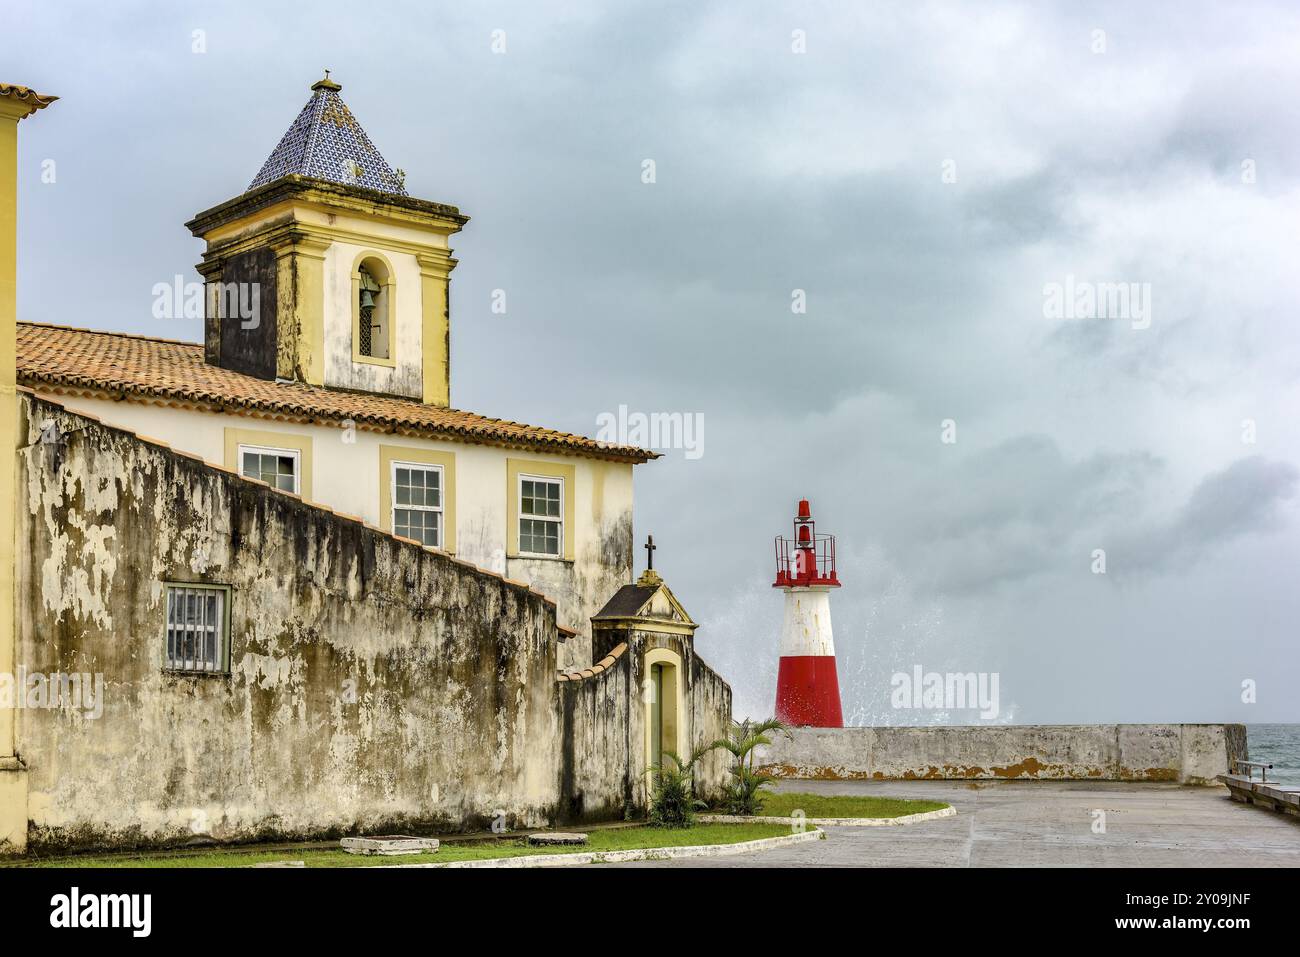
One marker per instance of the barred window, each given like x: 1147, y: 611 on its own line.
x: 541, y: 511
x: 417, y: 502
x: 373, y: 312
x: 197, y: 632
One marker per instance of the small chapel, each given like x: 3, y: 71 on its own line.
x: 318, y: 598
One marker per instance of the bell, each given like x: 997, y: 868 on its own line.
x: 367, y: 300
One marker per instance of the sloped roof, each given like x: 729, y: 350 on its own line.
x: 37, y: 101
x: 627, y: 602
x: 326, y: 142
x: 633, y: 601
x: 63, y: 359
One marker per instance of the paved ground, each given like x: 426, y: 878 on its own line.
x: 1043, y: 824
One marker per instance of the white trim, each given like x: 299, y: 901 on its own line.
x: 902, y: 819
x: 393, y: 466
x: 631, y: 854
x: 295, y: 454
x: 521, y: 514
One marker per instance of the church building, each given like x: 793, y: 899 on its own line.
x: 314, y: 597
x: 338, y: 388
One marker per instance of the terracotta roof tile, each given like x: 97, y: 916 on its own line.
x: 37, y: 101
x: 85, y: 361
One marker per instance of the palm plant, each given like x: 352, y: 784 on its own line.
x: 673, y: 802
x: 743, y: 793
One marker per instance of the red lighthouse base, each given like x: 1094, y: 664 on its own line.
x: 808, y: 692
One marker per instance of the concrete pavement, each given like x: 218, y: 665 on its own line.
x: 1043, y: 824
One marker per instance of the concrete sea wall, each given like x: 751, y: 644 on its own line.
x: 1186, y: 753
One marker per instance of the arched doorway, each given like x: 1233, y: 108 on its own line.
x: 664, y: 698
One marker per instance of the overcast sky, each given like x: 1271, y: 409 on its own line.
x: 922, y: 172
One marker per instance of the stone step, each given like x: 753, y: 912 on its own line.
x: 556, y: 838
x: 390, y: 845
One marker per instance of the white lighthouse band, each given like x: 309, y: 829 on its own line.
x: 806, y: 629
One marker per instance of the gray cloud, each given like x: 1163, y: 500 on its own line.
x: 819, y: 172
x: 1247, y: 497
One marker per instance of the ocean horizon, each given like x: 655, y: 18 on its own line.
x: 1279, y: 745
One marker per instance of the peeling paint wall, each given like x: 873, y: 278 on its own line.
x: 600, y: 775
x: 602, y: 556
x: 347, y: 478
x: 604, y: 727
x: 373, y: 684
x: 1186, y: 753
x: 710, y: 705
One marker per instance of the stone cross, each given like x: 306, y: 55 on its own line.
x: 650, y: 547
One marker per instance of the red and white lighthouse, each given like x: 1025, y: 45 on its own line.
x: 807, y: 687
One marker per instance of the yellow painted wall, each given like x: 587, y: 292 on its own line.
x: 9, y: 115
x: 13, y: 775
x: 316, y: 296
x: 672, y: 709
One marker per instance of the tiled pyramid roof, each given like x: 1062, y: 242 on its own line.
x: 326, y: 142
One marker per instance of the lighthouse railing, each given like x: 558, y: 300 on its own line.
x: 813, y: 565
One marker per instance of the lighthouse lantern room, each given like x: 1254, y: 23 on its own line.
x: 807, y: 686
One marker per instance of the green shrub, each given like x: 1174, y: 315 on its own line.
x: 743, y: 795
x: 672, y: 800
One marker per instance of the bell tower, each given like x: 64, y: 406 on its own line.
x: 325, y: 271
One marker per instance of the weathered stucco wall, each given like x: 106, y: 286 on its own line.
x: 604, y: 720
x: 602, y: 739
x: 711, y: 720
x: 373, y: 683
x: 1187, y: 753
x: 346, y: 476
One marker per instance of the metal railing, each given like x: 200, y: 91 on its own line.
x: 1250, y: 767
x: 795, y: 564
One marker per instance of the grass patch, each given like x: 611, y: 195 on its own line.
x: 602, y: 839
x: 784, y: 804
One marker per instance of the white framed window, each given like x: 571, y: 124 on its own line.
x: 417, y: 502
x: 279, y: 468
x: 541, y: 515
x: 198, y: 630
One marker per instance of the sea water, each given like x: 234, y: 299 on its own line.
x: 1278, y: 745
